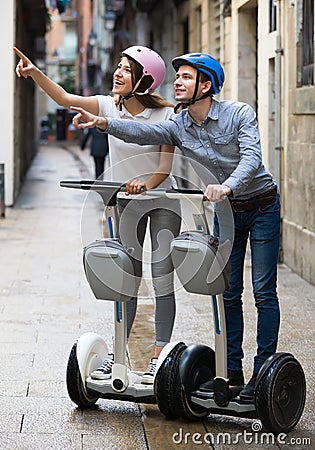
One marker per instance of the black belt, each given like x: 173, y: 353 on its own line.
x: 252, y: 203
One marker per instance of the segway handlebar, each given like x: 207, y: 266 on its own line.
x: 108, y: 190
x: 99, y: 185
x: 92, y: 184
x: 175, y: 193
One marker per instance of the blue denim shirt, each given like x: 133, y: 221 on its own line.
x: 226, y: 144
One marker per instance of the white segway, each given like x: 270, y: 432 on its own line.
x: 110, y: 273
x: 201, y: 265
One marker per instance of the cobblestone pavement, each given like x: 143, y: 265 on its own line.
x: 46, y: 304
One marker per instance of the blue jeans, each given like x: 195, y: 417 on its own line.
x: 262, y: 227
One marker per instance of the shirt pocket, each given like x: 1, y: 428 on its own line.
x: 223, y: 139
x: 227, y: 149
x: 195, y: 150
x: 195, y: 145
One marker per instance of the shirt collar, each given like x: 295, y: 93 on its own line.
x: 214, y: 110
x: 146, y: 113
x: 213, y: 113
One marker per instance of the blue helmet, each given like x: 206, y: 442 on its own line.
x: 206, y: 64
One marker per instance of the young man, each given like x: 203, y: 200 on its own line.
x: 223, y: 137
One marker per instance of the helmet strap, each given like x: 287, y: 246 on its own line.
x: 133, y: 92
x: 128, y: 96
x: 193, y: 98
x: 136, y: 86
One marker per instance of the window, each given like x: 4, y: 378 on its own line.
x: 199, y: 29
x: 272, y: 15
x: 214, y: 40
x: 305, y: 46
x: 185, y: 36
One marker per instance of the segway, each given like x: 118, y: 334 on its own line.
x: 109, y: 271
x: 202, y: 267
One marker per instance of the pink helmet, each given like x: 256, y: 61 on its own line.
x: 151, y: 62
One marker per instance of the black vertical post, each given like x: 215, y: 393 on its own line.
x: 2, y: 205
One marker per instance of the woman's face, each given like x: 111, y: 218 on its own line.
x: 122, y: 79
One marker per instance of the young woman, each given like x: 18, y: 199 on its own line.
x: 139, y: 72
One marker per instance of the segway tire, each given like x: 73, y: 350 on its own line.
x: 280, y: 393
x: 197, y: 365
x: 167, y: 385
x: 76, y: 390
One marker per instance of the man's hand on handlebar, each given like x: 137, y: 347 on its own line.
x: 216, y: 192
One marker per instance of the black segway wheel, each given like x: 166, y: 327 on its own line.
x: 76, y: 390
x: 197, y: 365
x: 167, y: 385
x: 280, y: 393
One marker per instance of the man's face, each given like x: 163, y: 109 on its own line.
x: 184, y: 84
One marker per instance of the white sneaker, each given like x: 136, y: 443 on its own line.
x: 148, y: 376
x: 104, y: 372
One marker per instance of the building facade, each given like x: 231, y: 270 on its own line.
x: 24, y: 25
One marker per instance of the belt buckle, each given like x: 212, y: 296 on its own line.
x: 238, y: 206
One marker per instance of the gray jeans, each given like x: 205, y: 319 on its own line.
x: 164, y: 224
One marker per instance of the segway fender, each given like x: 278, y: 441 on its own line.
x: 196, y: 366
x: 164, y: 354
x: 269, y: 363
x: 91, y: 351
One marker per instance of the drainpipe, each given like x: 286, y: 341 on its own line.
x: 278, y: 124
x: 278, y: 140
x: 2, y: 205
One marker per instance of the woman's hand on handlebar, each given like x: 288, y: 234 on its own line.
x: 135, y: 186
